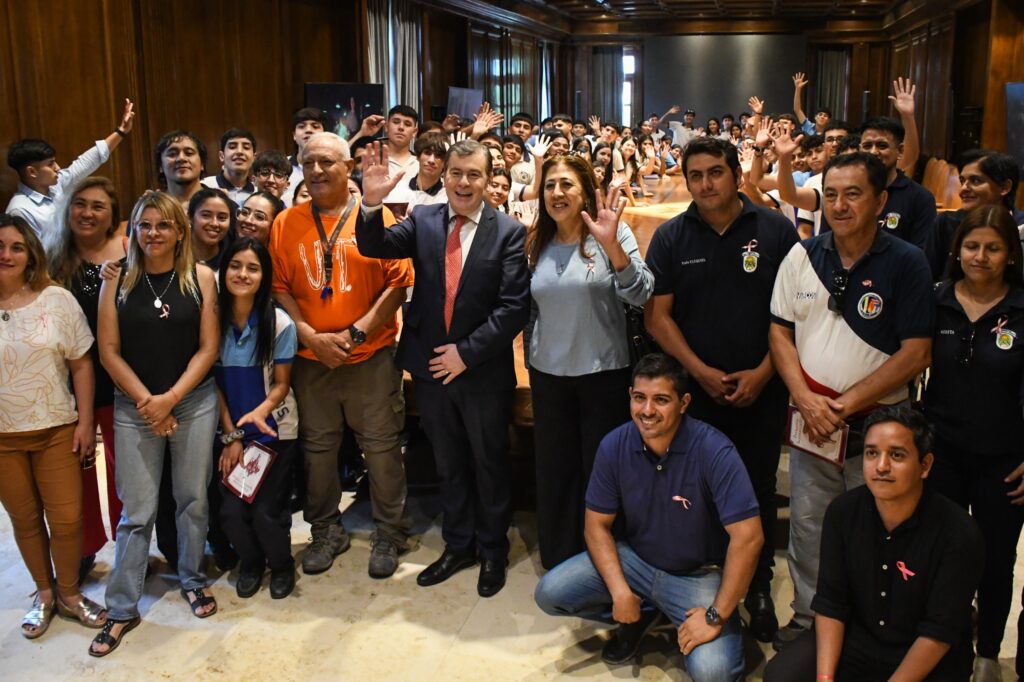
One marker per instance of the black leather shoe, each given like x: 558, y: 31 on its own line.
x: 763, y: 622
x: 492, y: 577
x: 248, y: 584
x: 448, y: 565
x: 282, y: 583
x: 625, y: 642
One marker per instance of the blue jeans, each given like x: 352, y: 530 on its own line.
x: 140, y: 457
x: 575, y: 588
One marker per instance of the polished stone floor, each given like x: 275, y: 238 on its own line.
x: 341, y: 625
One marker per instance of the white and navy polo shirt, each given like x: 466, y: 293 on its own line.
x: 888, y: 299
x: 245, y: 384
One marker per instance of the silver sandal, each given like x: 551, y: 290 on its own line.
x: 39, y: 616
x: 85, y: 611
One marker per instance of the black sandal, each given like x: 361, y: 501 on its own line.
x: 198, y: 601
x: 107, y: 639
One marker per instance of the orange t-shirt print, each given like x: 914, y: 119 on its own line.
x: 357, y: 281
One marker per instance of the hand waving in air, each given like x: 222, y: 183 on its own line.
x: 543, y: 144
x: 783, y: 143
x: 605, y: 225
x: 905, y: 91
x: 799, y: 80
x: 377, y: 179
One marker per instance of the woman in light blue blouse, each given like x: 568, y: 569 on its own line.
x: 585, y: 265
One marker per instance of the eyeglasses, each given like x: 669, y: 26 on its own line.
x: 162, y: 226
x: 266, y: 173
x: 966, y: 352
x: 837, y: 292
x: 257, y: 215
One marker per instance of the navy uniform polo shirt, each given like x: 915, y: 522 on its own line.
x: 888, y: 299
x: 976, y: 388
x: 675, y: 506
x: 722, y: 283
x: 909, y: 213
x: 891, y: 587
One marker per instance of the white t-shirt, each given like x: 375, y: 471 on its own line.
x: 36, y: 342
x: 813, y: 182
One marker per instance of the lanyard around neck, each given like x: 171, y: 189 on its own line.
x: 327, y: 245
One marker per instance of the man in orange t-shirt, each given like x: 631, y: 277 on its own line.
x: 344, y: 306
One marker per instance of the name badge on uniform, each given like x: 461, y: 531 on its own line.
x: 1004, y: 337
x: 750, y: 256
x: 891, y: 220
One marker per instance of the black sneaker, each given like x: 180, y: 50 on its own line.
x: 248, y: 584
x: 787, y: 634
x: 282, y: 583
x: 625, y: 642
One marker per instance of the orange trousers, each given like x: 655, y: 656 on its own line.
x: 41, y: 489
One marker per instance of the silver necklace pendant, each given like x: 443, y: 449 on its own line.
x: 157, y: 303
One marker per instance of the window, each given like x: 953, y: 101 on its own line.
x: 628, y: 84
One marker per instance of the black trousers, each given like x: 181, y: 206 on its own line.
x: 976, y: 482
x: 859, y: 662
x: 757, y: 433
x: 469, y: 434
x: 260, y: 531
x: 570, y: 417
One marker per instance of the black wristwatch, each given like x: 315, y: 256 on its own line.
x: 358, y: 337
x: 711, y: 616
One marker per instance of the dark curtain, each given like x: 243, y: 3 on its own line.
x: 833, y: 81
x: 606, y: 83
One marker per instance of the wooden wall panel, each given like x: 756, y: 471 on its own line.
x: 1006, y: 65
x: 205, y: 66
x: 69, y: 64
x: 869, y: 72
x: 444, y: 59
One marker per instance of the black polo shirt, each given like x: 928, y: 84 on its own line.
x: 909, y: 213
x: 976, y: 389
x: 890, y: 588
x: 722, y: 284
x: 946, y: 224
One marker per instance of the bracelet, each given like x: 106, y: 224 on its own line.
x: 120, y: 132
x: 174, y: 394
x: 229, y: 438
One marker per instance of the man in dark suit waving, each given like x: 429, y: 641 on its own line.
x: 470, y: 300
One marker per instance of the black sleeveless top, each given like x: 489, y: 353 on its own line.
x: 158, y: 343
x: 85, y: 287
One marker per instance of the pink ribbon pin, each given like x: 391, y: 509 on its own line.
x: 998, y: 329
x: 750, y: 245
x: 682, y: 500
x: 166, y: 312
x: 907, y: 573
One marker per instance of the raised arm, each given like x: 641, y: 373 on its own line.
x: 799, y: 83
x: 903, y: 100
x: 372, y: 238
x: 801, y: 197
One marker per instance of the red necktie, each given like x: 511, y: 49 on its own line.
x: 452, y: 269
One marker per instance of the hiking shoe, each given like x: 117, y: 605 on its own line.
x: 383, y: 556
x: 322, y: 549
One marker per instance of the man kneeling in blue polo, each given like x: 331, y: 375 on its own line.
x: 691, y: 532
